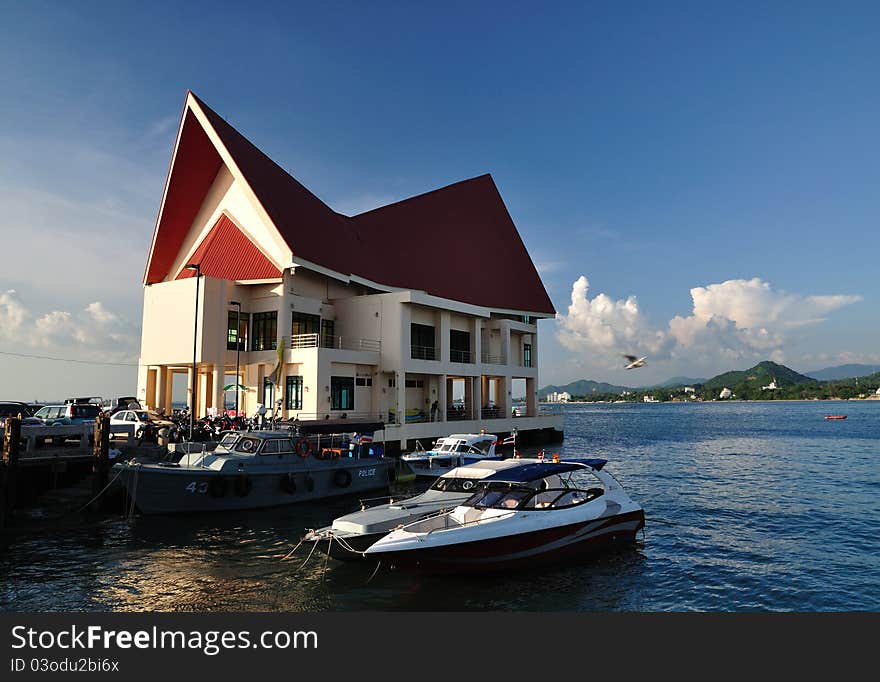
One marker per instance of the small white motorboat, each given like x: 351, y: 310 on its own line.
x: 519, y: 517
x: 455, y: 450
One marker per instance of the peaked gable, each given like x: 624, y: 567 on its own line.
x: 227, y: 253
x: 458, y: 242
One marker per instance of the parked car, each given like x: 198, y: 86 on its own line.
x: 67, y: 414
x: 13, y: 408
x: 146, y: 424
x: 111, y: 405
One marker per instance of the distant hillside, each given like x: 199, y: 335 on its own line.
x: 679, y: 381
x: 759, y: 375
x: 582, y: 387
x: 843, y: 372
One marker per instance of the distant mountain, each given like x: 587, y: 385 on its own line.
x: 761, y: 374
x: 843, y: 372
x: 582, y: 387
x: 679, y: 381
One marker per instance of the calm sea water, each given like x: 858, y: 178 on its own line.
x: 749, y: 506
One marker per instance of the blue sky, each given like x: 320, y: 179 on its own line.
x: 651, y: 149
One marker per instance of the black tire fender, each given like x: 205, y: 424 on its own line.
x: 342, y: 478
x: 218, y: 487
x: 288, y: 484
x: 243, y: 485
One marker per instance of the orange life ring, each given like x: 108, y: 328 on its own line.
x: 304, y: 447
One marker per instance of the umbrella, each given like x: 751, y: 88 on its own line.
x: 229, y: 387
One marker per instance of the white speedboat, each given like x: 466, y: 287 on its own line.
x: 349, y: 535
x: 519, y: 517
x: 458, y: 449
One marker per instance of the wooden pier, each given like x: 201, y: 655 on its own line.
x: 30, y: 466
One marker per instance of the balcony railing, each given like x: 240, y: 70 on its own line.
x: 458, y: 412
x: 328, y: 341
x: 460, y: 355
x: 488, y: 359
x: 424, y: 353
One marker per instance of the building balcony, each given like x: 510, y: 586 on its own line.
x: 300, y: 341
x: 424, y: 353
x: 462, y: 356
x: 489, y: 359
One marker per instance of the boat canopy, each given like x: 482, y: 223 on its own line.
x: 535, y: 470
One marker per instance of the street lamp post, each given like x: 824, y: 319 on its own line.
x: 192, y: 399
x: 237, y: 349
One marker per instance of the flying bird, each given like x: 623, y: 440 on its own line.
x: 635, y: 362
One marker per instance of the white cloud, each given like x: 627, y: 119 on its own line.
x: 606, y: 325
x: 91, y: 333
x: 730, y: 320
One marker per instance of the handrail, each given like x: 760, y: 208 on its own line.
x: 330, y: 341
x: 424, y: 352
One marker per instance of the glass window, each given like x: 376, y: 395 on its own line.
x: 328, y: 334
x: 459, y: 346
x: 247, y: 445
x: 265, y: 331
x: 363, y: 381
x: 42, y: 413
x: 527, y: 355
x: 236, y: 330
x: 285, y: 446
x: 270, y: 447
x: 422, y: 342
x: 293, y: 393
x: 454, y: 485
x: 341, y: 393
x: 304, y: 323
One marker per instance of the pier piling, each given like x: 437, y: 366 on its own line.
x: 9, y: 466
x: 101, y: 465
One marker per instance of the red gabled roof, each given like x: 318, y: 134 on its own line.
x: 227, y: 253
x: 458, y: 242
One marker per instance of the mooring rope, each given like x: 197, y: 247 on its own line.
x: 99, y: 494
x: 284, y: 558
x: 378, y: 566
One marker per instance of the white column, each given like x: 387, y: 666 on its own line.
x: 506, y: 399
x: 442, y: 400
x: 443, y: 340
x: 477, y: 396
x: 505, y: 343
x: 531, y: 398
x: 476, y: 339
x: 401, y: 397
x: 161, y: 378
x: 218, y: 389
x: 168, y: 395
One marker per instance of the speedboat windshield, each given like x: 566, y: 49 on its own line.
x: 498, y: 497
x: 228, y: 441
x: 454, y: 485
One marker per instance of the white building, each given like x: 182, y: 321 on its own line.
x: 389, y: 315
x: 725, y: 393
x: 770, y: 387
x: 558, y: 397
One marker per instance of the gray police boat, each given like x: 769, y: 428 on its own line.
x: 250, y: 470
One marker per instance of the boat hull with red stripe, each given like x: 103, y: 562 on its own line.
x: 523, y: 550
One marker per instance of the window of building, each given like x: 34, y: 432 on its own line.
x: 341, y: 393
x: 237, y: 330
x: 459, y: 346
x: 265, y: 331
x: 303, y: 323
x: 293, y: 393
x: 415, y: 383
x: 268, y: 393
x: 527, y: 355
x: 328, y: 333
x: 392, y: 382
x: 422, y: 342
x: 363, y: 381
